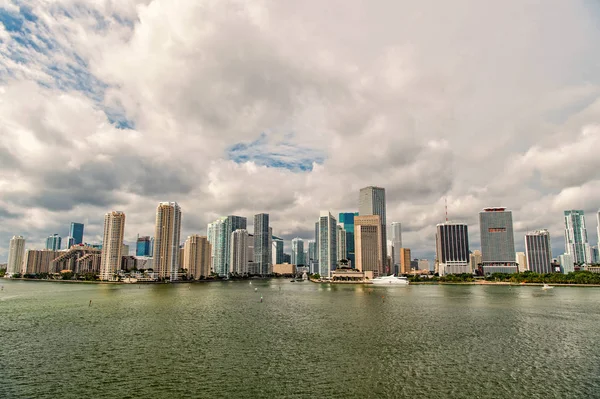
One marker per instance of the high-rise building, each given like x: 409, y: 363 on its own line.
x: 567, y: 264
x: 166, y: 240
x: 538, y: 250
x: 112, y: 244
x: 312, y: 257
x: 196, y: 256
x: 598, y: 228
x: 372, y: 202
x: 341, y: 243
x: 346, y: 219
x: 76, y: 231
x: 262, y: 249
x: 367, y: 244
x: 142, y: 246
x: 396, y: 230
x: 53, y: 242
x: 240, y: 243
x: 595, y: 255
x: 423, y: 264
x: 576, y: 241
x: 405, y: 262
x: 475, y: 260
x: 70, y: 242
x: 327, y: 243
x: 16, y: 252
x: 39, y: 261
x: 521, y: 261
x: 497, y: 241
x: 452, y: 248
x: 213, y: 233
x: 277, y: 251
x: 298, y: 251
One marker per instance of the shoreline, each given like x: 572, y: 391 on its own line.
x: 489, y: 283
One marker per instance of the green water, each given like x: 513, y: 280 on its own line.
x: 304, y: 340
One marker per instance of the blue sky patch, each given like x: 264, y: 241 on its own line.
x: 282, y: 154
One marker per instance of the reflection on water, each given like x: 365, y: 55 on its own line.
x: 302, y: 340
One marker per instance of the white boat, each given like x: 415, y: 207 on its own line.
x: 547, y: 287
x: 390, y: 280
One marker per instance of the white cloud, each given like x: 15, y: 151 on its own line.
x: 486, y: 104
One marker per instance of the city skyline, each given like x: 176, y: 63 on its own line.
x: 321, y: 121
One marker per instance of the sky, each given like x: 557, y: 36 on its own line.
x: 286, y: 107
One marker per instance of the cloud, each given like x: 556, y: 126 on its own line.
x: 231, y: 107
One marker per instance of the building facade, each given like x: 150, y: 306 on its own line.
x: 240, y: 243
x: 262, y: 244
x: 166, y: 240
x: 112, y: 244
x: 196, y: 257
x: 327, y: 244
x: 372, y: 202
x: 341, y: 243
x: 538, y: 250
x: 576, y: 240
x: 452, y: 248
x: 76, y: 231
x: 16, y: 253
x: 497, y: 241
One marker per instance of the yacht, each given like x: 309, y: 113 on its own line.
x: 390, y: 280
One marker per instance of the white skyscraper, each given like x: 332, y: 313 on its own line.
x: 327, y: 243
x: 576, y: 241
x: 452, y: 248
x: 112, y: 245
x: 16, y: 252
x: 166, y: 240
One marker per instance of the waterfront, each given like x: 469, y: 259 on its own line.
x: 303, y: 340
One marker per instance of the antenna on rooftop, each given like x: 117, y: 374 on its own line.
x: 446, y: 207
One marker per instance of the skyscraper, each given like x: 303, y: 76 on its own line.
x: 53, y: 242
x: 497, y: 241
x: 112, y: 244
x: 576, y: 241
x: 475, y: 260
x: 166, y: 240
x: 372, y: 202
x: 16, y: 252
x: 277, y: 251
x: 367, y: 244
x: 327, y: 243
x: 452, y: 248
x: 538, y: 250
x: 396, y: 231
x: 143, y: 246
x: 240, y: 243
x: 346, y: 219
x: 405, y: 263
x: 312, y: 260
x: 196, y: 256
x: 262, y: 249
x: 298, y: 251
x: 76, y: 231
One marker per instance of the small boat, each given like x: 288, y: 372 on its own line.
x: 292, y: 281
x: 390, y: 280
x: 547, y: 287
